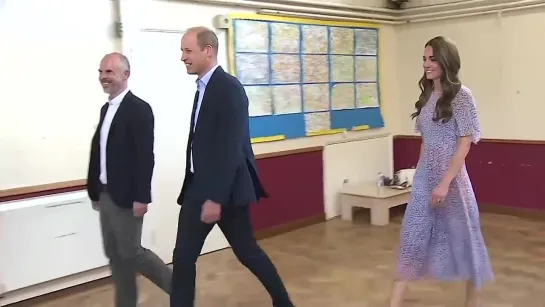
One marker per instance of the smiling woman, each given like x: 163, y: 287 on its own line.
x: 441, y: 236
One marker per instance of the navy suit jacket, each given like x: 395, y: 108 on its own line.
x: 224, y: 164
x: 129, y: 151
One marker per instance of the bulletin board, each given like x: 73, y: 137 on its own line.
x: 306, y: 77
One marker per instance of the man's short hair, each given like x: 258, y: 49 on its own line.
x: 206, y: 37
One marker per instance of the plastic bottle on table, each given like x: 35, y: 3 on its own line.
x: 380, y: 182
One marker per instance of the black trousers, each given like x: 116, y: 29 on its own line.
x: 236, y: 226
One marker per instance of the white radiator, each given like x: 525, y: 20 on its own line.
x: 46, y: 238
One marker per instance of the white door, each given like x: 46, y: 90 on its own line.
x: 159, y: 77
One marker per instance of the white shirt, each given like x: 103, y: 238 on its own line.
x: 113, y: 105
x: 201, y: 87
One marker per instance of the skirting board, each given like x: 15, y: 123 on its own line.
x: 290, y: 226
x: 513, y: 211
x: 486, y: 208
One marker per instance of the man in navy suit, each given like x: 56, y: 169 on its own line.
x: 119, y: 181
x: 221, y: 179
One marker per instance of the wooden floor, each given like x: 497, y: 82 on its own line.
x: 347, y: 264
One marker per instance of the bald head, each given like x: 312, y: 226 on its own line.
x: 119, y: 59
x: 114, y: 73
x: 199, y: 50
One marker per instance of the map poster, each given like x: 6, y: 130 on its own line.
x: 306, y: 77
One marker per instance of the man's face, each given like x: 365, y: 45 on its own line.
x: 195, y: 59
x: 112, y: 74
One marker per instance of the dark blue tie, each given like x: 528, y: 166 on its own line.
x: 191, y: 128
x: 195, y: 102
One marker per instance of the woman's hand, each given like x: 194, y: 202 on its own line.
x: 439, y: 194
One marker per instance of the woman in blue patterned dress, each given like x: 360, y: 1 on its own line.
x: 441, y: 234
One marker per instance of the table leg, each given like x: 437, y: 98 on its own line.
x: 380, y: 216
x: 346, y: 212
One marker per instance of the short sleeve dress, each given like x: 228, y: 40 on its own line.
x: 444, y: 243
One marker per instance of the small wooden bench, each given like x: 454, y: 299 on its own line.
x: 369, y: 196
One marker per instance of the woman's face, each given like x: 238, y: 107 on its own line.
x: 432, y: 69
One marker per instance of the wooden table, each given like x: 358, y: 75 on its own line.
x: 378, y: 200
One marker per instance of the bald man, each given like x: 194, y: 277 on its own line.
x: 119, y: 181
x: 221, y: 178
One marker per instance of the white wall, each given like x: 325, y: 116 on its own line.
x: 174, y: 17
x: 50, y: 95
x: 59, y: 60
x: 51, y: 68
x: 498, y: 64
x: 58, y: 143
x: 353, y: 162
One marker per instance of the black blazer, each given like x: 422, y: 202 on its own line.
x: 129, y: 151
x: 224, y: 163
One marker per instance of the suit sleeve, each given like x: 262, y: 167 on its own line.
x: 142, y: 130
x: 92, y: 189
x: 232, y: 122
x: 94, y: 162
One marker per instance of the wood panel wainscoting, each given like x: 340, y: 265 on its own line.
x: 507, y: 175
x: 293, y: 178
x: 294, y: 181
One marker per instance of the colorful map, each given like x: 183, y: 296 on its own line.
x: 305, y: 77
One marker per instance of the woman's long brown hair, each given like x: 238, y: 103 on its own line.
x: 446, y: 54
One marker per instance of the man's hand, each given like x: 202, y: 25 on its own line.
x: 95, y: 205
x: 139, y: 209
x: 211, y: 212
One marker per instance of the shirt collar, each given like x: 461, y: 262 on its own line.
x: 207, y: 76
x: 117, y: 99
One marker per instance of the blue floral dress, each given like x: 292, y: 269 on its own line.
x: 444, y: 243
